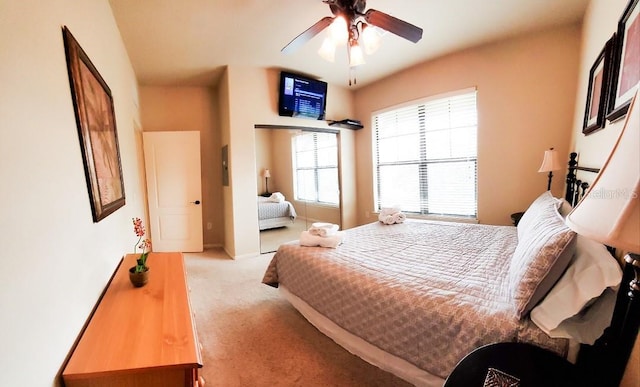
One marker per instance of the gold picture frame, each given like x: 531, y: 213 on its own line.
x: 96, y: 123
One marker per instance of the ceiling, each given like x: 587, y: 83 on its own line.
x: 189, y: 42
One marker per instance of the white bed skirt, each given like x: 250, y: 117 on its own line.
x: 361, y: 348
x: 266, y: 224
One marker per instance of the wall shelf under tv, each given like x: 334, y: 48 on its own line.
x: 347, y: 123
x: 296, y: 127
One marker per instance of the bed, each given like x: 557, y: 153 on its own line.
x: 415, y: 298
x: 273, y: 214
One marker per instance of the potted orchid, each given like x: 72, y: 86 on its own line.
x: 139, y: 274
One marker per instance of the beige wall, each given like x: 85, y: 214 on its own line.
x: 526, y: 91
x: 264, y: 152
x: 250, y: 97
x: 192, y: 109
x: 599, y: 24
x: 55, y: 260
x: 222, y: 93
x: 227, y: 115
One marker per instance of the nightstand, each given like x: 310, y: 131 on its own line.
x: 515, y: 217
x: 512, y: 365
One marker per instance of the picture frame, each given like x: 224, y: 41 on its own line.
x: 597, y: 94
x: 96, y: 125
x: 626, y: 63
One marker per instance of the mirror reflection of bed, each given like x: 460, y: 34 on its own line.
x: 320, y: 203
x: 277, y: 220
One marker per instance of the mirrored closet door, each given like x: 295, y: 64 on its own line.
x: 303, y: 167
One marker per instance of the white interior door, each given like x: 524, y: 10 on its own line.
x: 172, y: 163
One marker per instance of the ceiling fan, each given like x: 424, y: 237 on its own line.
x: 353, y: 11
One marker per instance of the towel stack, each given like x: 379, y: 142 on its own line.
x: 391, y: 215
x: 276, y: 197
x: 321, y: 234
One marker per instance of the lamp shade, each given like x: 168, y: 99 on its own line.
x: 339, y: 31
x: 610, y: 211
x: 550, y: 162
x: 370, y: 39
x: 328, y: 50
x: 356, y: 56
x: 266, y: 173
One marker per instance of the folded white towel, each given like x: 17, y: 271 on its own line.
x: 386, y: 219
x: 323, y: 229
x: 395, y: 218
x: 306, y: 239
x: 389, y: 211
x: 276, y: 197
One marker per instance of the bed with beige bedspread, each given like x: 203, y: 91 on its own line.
x: 427, y: 292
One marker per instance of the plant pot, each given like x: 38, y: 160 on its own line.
x: 138, y: 279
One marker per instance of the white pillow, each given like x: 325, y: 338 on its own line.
x: 591, y: 271
x: 565, y: 208
x: 587, y: 326
x: 528, y: 222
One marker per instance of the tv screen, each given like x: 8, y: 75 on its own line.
x: 302, y: 97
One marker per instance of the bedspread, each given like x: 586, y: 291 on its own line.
x: 427, y: 292
x: 268, y: 209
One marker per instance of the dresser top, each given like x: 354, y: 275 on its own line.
x: 139, y: 328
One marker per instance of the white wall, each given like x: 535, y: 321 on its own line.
x: 600, y: 22
x: 55, y: 261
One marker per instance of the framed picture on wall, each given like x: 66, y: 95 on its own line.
x: 599, y: 77
x: 96, y: 124
x: 626, y: 68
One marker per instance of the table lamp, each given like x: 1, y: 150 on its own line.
x: 550, y: 163
x: 266, y: 174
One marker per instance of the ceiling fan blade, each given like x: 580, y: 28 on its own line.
x: 307, y: 35
x: 393, y: 25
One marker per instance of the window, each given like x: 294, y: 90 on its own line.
x: 315, y: 161
x: 425, y: 156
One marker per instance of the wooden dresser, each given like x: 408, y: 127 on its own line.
x: 140, y: 336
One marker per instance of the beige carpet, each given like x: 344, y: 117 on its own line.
x: 253, y: 337
x: 272, y: 238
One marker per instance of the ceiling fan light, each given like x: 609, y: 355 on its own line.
x: 356, y: 56
x: 339, y: 31
x: 370, y: 39
x: 328, y: 50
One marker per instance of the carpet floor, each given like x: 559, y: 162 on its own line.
x: 251, y: 336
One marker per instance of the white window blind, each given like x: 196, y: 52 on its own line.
x: 425, y: 156
x: 316, y: 167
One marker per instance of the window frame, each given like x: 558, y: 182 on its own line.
x: 422, y: 162
x: 315, y: 168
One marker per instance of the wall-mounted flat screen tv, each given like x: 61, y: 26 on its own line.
x: 301, y: 96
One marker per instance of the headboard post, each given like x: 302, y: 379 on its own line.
x: 576, y: 189
x: 571, y: 178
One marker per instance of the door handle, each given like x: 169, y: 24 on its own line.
x: 196, y: 202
